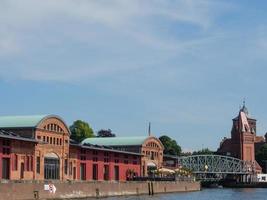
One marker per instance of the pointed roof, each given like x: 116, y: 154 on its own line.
x: 244, y: 122
x: 244, y: 109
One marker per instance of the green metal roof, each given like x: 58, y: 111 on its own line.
x: 20, y: 121
x: 116, y: 141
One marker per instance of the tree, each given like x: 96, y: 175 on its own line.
x: 261, y: 157
x: 205, y: 151
x: 81, y: 130
x: 186, y: 154
x: 105, y: 133
x: 170, y: 146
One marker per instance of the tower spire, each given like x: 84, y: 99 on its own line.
x: 149, y: 129
x: 244, y: 108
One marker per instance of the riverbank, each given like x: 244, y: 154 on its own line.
x: 71, y: 190
x: 245, y: 185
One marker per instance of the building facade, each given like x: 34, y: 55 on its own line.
x: 47, y: 156
x: 149, y: 147
x: 40, y: 148
x: 101, y: 163
x: 16, y: 156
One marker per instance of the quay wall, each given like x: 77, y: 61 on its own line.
x: 73, y: 190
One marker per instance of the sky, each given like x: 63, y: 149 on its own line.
x: 183, y: 65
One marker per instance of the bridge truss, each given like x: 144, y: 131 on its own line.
x: 216, y: 166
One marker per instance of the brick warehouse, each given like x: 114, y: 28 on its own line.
x: 39, y: 148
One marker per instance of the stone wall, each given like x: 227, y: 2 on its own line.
x: 70, y: 190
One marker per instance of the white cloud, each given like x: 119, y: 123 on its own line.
x: 113, y: 13
x: 34, y: 32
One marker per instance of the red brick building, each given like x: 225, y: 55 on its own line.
x: 243, y: 138
x: 150, y: 148
x: 39, y: 147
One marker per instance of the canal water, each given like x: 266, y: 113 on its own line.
x: 205, y: 194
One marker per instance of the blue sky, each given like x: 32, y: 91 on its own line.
x: 184, y: 65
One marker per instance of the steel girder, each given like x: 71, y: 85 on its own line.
x: 216, y: 164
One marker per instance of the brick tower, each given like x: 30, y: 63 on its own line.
x: 243, y: 136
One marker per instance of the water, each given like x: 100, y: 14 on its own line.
x: 205, y: 194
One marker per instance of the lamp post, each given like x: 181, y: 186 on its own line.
x: 206, y: 169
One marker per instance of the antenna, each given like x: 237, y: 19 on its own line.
x: 244, y: 102
x: 149, y: 129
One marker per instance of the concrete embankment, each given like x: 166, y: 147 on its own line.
x: 70, y: 190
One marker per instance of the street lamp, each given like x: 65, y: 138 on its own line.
x: 206, y: 167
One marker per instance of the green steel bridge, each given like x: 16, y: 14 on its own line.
x: 217, y: 167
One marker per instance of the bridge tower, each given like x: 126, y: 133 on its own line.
x: 243, y: 136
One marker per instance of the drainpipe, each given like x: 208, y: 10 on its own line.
x: 34, y: 161
x: 62, y: 166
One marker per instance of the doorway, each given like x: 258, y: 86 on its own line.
x: 5, y: 168
x: 95, y: 171
x: 117, y: 173
x: 51, y: 166
x: 74, y: 173
x: 82, y: 171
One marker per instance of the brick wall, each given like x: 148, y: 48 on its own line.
x: 25, y: 191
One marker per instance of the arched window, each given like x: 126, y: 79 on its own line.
x: 53, y: 127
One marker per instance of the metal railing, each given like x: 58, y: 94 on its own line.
x: 148, y: 178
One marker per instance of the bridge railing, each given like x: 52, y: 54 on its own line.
x: 158, y: 178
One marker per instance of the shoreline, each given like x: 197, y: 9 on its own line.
x: 234, y: 185
x: 98, y: 189
x: 246, y: 185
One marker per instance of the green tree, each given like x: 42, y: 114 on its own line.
x: 261, y: 157
x: 105, y: 133
x: 205, y: 151
x: 170, y: 146
x: 186, y: 154
x: 81, y: 130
